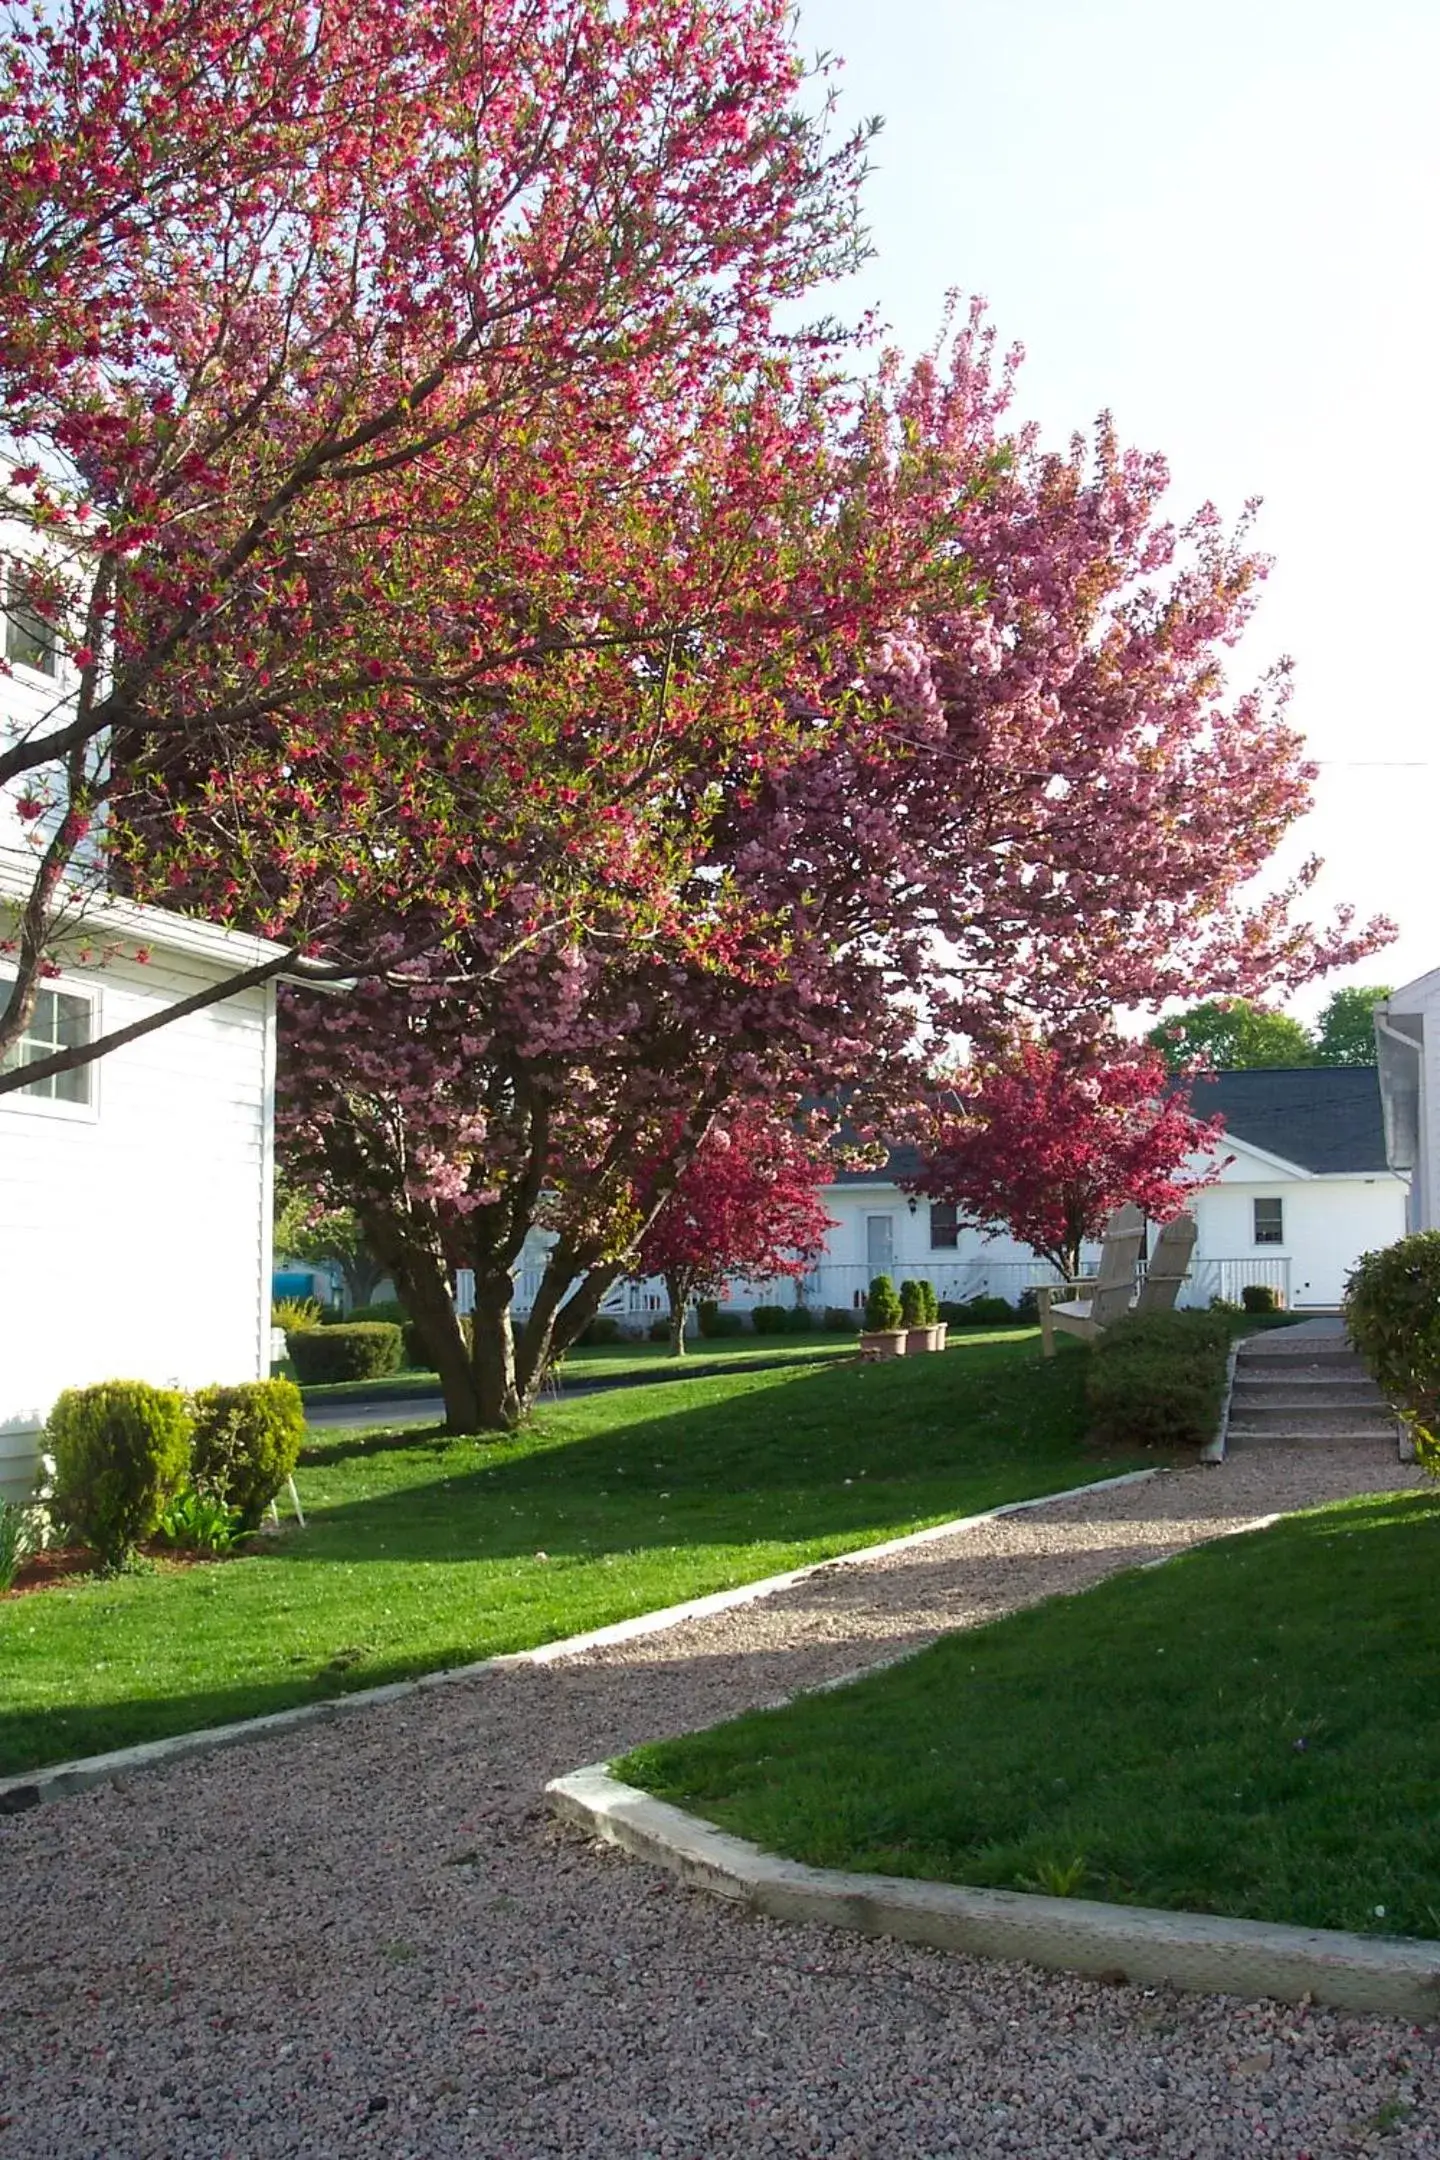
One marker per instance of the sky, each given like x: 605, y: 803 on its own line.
x: 1220, y: 223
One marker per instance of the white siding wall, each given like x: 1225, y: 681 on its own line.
x: 135, y: 1242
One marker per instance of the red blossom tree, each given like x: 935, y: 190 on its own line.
x: 1051, y: 1146
x: 298, y: 307
x: 1018, y: 791
x: 747, y: 1205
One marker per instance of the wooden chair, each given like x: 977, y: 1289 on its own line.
x: 1108, y: 1293
x: 1169, y: 1265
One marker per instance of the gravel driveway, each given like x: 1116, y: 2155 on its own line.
x: 368, y: 1938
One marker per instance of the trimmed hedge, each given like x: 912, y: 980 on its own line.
x: 713, y: 1323
x: 978, y: 1312
x: 599, y: 1331
x: 840, y: 1320
x: 883, y: 1314
x: 1258, y: 1297
x: 1392, y: 1312
x: 246, y: 1443
x: 781, y: 1319
x: 1158, y: 1379
x: 366, y: 1350
x: 121, y: 1451
x: 389, y: 1311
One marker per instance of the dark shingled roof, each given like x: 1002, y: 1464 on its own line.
x: 1323, y: 1117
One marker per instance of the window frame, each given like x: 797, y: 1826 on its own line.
x: 54, y: 1106
x: 51, y: 676
x: 1267, y: 1200
x: 952, y: 1243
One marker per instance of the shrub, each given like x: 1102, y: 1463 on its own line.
x: 1258, y: 1297
x: 912, y: 1304
x: 769, y: 1319
x: 714, y: 1323
x: 1158, y: 1379
x: 389, y: 1311
x: 364, y: 1351
x: 1392, y: 1310
x: 121, y: 1449
x: 1224, y: 1305
x: 1027, y: 1307
x: 13, y: 1550
x: 602, y: 1329
x: 245, y: 1444
x: 659, y: 1329
x: 929, y: 1304
x: 799, y: 1319
x: 194, y: 1522
x: 841, y: 1320
x: 883, y: 1312
x: 296, y: 1313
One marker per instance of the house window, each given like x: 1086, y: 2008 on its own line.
x: 1269, y: 1222
x: 60, y: 1021
x: 944, y: 1226
x: 29, y: 639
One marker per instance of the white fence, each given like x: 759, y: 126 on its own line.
x: 836, y: 1284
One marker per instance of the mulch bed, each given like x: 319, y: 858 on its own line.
x: 63, y: 1564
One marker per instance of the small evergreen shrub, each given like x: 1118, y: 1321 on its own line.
x: 883, y: 1312
x: 1392, y: 1311
x: 366, y: 1350
x: 799, y: 1320
x: 841, y: 1320
x: 659, y: 1330
x: 246, y: 1443
x: 1158, y: 1379
x: 912, y: 1304
x: 715, y: 1324
x: 769, y: 1319
x: 1027, y: 1307
x: 1258, y: 1297
x: 121, y: 1449
x: 929, y: 1304
x: 1224, y: 1305
x: 295, y: 1313
x: 389, y: 1311
x: 602, y: 1329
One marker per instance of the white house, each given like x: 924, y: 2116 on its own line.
x: 1407, y: 1043
x: 135, y: 1193
x: 1304, y: 1189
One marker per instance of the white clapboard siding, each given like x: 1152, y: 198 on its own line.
x: 135, y: 1242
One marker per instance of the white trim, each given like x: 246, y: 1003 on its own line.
x: 229, y: 949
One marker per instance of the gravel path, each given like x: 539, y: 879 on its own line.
x: 368, y: 1938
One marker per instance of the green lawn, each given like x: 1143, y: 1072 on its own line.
x: 423, y: 1552
x: 614, y: 1361
x: 1248, y: 1730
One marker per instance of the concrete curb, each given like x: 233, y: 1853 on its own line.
x: 56, y: 1781
x: 1250, y: 1958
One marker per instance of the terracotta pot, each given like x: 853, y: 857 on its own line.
x: 941, y: 1332
x: 919, y: 1340
x: 884, y: 1343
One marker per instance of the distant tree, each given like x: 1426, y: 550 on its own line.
x: 1232, y: 1035
x: 304, y: 1230
x: 748, y: 1205
x: 1051, y: 1147
x: 1346, y: 1034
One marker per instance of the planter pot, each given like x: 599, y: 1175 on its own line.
x: 884, y: 1342
x: 941, y: 1332
x: 919, y: 1340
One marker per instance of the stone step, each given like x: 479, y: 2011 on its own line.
x: 1319, y: 1356
x: 1324, y: 1391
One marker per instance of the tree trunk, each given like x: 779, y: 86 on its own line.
x: 677, y: 1291
x: 423, y: 1282
x: 500, y: 1402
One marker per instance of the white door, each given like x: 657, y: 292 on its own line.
x: 880, y: 1244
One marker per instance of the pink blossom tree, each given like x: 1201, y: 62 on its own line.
x: 747, y: 1205
x: 1051, y: 1145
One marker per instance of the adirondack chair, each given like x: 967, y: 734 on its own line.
x: 1169, y: 1265
x: 1107, y: 1294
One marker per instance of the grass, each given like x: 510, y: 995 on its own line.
x: 614, y: 1361
x: 1248, y: 1730
x: 423, y: 1552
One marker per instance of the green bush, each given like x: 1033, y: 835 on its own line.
x: 799, y: 1320
x: 841, y: 1320
x: 883, y: 1314
x: 295, y: 1313
x: 977, y: 1312
x: 389, y: 1311
x: 929, y: 1304
x: 1258, y: 1297
x: 367, y: 1351
x: 121, y: 1449
x: 1027, y: 1307
x: 912, y: 1304
x: 246, y: 1443
x: 193, y: 1522
x: 1392, y: 1310
x: 1225, y: 1305
x: 1158, y: 1379
x: 659, y: 1330
x: 714, y: 1323
x: 769, y: 1319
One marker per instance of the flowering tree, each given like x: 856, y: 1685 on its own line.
x: 298, y: 304
x: 1017, y: 790
x: 1050, y: 1146
x: 747, y: 1205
